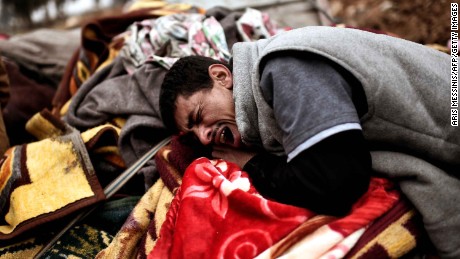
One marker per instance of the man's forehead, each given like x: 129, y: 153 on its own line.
x: 184, y: 103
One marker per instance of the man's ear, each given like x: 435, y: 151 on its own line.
x: 221, y: 75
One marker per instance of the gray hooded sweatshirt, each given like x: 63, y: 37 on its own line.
x: 407, y: 87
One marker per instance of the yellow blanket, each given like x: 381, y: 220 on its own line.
x: 47, y: 179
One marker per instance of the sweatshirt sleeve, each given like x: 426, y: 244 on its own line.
x: 311, y: 99
x: 328, y: 164
x: 327, y: 178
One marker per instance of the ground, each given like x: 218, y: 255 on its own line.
x: 423, y: 21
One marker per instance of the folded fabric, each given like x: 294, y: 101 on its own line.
x: 399, y: 230
x: 138, y: 235
x: 44, y: 52
x: 434, y: 193
x: 111, y: 215
x: 4, y: 141
x: 101, y: 40
x: 135, y: 98
x: 395, y: 234
x: 170, y: 37
x: 254, y: 25
x: 4, y: 97
x: 227, y: 18
x: 81, y: 241
x: 20, y: 109
x: 129, y: 86
x: 138, y: 232
x: 217, y: 213
x: 4, y: 85
x: 48, y: 179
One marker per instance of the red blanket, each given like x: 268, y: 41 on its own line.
x: 217, y: 213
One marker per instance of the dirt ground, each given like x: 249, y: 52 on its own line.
x: 423, y: 21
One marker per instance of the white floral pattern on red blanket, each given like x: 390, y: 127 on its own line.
x: 217, y: 213
x: 216, y: 186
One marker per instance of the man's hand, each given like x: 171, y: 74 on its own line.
x: 237, y: 156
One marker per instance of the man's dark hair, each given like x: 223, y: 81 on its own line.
x: 187, y: 76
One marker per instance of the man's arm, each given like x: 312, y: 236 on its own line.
x: 315, y: 104
x: 326, y: 178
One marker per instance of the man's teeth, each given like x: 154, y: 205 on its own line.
x: 222, y: 137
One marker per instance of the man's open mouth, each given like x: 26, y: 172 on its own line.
x: 226, y: 136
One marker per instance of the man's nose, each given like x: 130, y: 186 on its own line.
x: 204, y: 134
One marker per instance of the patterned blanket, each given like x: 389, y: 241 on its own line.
x: 101, y: 41
x: 53, y: 177
x: 82, y: 241
x: 213, y: 202
x: 393, y: 235
x: 218, y: 208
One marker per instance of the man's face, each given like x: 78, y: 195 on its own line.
x: 210, y: 114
